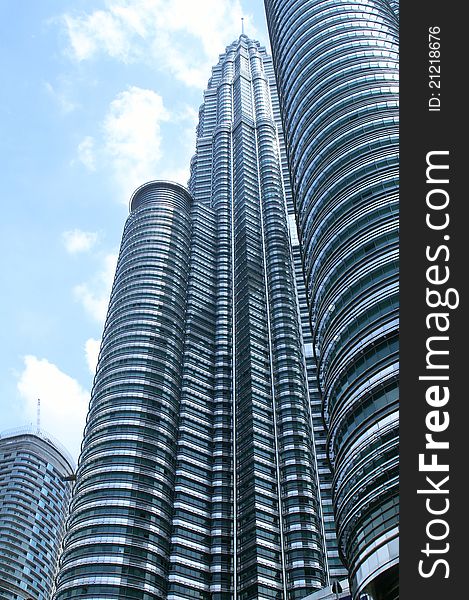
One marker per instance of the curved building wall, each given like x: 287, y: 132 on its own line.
x: 336, y: 64
x: 334, y: 565
x: 118, y: 537
x: 200, y: 536
x: 34, y: 497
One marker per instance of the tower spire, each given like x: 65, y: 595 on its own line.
x: 38, y: 416
x: 242, y: 25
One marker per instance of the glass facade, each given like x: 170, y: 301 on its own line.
x: 35, y: 490
x: 118, y: 535
x: 336, y: 64
x: 198, y: 476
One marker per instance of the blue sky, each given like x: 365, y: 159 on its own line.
x: 97, y: 97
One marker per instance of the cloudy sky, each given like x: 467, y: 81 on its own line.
x: 97, y: 97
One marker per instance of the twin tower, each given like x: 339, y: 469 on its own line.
x: 241, y: 441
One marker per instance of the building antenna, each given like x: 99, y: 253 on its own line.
x: 242, y: 25
x: 38, y: 417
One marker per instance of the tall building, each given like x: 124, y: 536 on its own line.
x: 35, y: 486
x: 198, y: 476
x: 336, y: 64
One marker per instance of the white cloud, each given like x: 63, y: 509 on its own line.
x: 94, y: 304
x: 86, y: 153
x: 64, y: 402
x: 92, y: 347
x: 79, y: 241
x: 132, y: 137
x: 184, y: 120
x: 178, y: 175
x: 100, y: 30
x: 94, y: 294
x: 130, y: 140
x: 181, y: 37
x: 61, y: 98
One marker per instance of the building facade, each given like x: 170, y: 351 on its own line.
x: 198, y: 476
x: 336, y: 64
x: 339, y: 590
x: 35, y: 489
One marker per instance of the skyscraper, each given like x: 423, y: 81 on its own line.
x: 198, y: 476
x: 336, y: 63
x: 34, y: 494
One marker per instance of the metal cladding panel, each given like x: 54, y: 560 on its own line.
x: 336, y: 64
